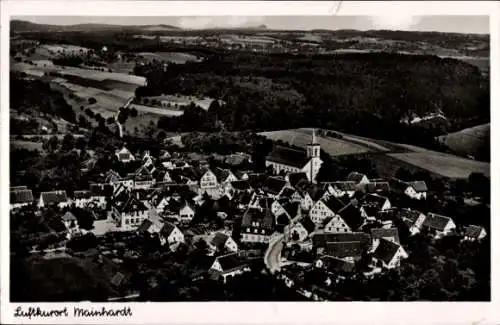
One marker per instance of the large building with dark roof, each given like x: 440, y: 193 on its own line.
x: 20, y: 197
x: 289, y: 160
x: 257, y: 225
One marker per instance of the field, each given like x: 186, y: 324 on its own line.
x: 156, y: 110
x: 468, y: 140
x: 387, y: 156
x: 176, y: 102
x: 176, y: 57
x: 444, y: 165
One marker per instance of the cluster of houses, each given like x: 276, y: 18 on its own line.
x: 341, y: 221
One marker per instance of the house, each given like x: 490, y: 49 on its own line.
x: 348, y: 219
x: 208, y: 180
x: 221, y: 242
x: 288, y: 160
x: 242, y: 200
x: 346, y: 250
x: 257, y: 225
x: 242, y: 175
x: 143, y: 178
x: 372, y: 204
x: 53, y: 198
x: 340, y: 189
x: 390, y: 234
x: 224, y: 175
x: 20, y: 197
x: 274, y: 186
x: 124, y: 155
x: 81, y: 198
x: 378, y: 187
x: 323, y: 209
x: 336, y: 266
x: 320, y: 240
x: 311, y: 195
x: 440, y: 225
x: 112, y: 177
x: 413, y: 219
x: 71, y: 223
x: 227, y: 266
x: 171, y: 235
x: 148, y: 160
x: 151, y: 226
x: 474, y: 233
x: 129, y: 214
x: 358, y: 178
x: 186, y: 213
x: 301, y: 229
x: 416, y: 190
x: 295, y: 178
x: 100, y: 194
x: 389, y: 254
x: 230, y: 189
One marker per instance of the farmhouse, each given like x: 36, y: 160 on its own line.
x: 390, y: 234
x: 320, y: 240
x: 130, y: 214
x: 302, y: 229
x: 378, y: 187
x: 53, y: 198
x: 358, y: 178
x: 474, y: 233
x: 208, y: 180
x: 221, y: 242
x: 257, y: 225
x: 348, y: 219
x: 335, y: 265
x: 100, y: 193
x: 81, y: 198
x: 416, y: 190
x: 440, y: 225
x: 171, y: 235
x: 389, y: 254
x: 124, y: 155
x: 274, y: 186
x: 412, y: 218
x: 340, y: 189
x: 20, y: 198
x: 287, y: 160
x: 372, y: 204
x: 228, y: 266
x: 323, y: 209
x: 224, y: 176
x: 70, y: 222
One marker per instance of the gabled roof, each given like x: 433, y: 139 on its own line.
x: 242, y: 198
x: 230, y: 262
x: 436, y: 221
x: 351, y: 216
x: 473, y: 231
x: 418, y: 186
x: 131, y: 205
x: 343, y: 186
x: 408, y: 214
x: 81, y: 195
x: 219, y: 239
x: 315, y: 192
x: 265, y: 218
x: 334, y: 264
x: 68, y: 216
x: 355, y: 177
x: 334, y: 204
x: 344, y: 249
x: 288, y: 156
x: 21, y: 196
x: 294, y: 178
x: 287, y: 192
x: 377, y: 187
x: 145, y: 225
x: 320, y: 239
x: 18, y: 188
x: 291, y: 208
x: 167, y: 229
x: 386, y: 250
x: 308, y: 224
x: 54, y: 197
x: 379, y: 233
x: 398, y: 185
x: 274, y: 185
x: 101, y: 190
x: 241, y: 185
x: 221, y: 174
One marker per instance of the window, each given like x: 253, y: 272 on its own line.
x: 255, y: 231
x: 127, y: 221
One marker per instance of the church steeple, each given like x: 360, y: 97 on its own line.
x: 313, y: 148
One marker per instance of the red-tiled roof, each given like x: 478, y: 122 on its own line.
x: 289, y: 157
x: 436, y: 221
x: 386, y: 250
x: 473, y: 231
x: 355, y: 177
x: 378, y: 233
x: 54, y: 197
x: 21, y: 196
x: 344, y: 249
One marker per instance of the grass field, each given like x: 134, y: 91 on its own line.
x: 176, y: 102
x: 387, y: 156
x: 443, y: 164
x: 176, y: 57
x: 467, y: 141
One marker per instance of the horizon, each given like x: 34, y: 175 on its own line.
x: 435, y: 23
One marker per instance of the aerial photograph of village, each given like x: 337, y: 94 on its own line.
x: 157, y: 159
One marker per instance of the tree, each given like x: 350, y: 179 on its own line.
x: 92, y: 100
x: 68, y: 142
x: 52, y: 144
x: 133, y: 112
x: 81, y: 143
x: 110, y: 120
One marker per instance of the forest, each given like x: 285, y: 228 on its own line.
x: 350, y: 93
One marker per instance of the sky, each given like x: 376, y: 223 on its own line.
x: 441, y: 23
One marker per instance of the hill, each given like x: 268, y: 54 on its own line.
x: 470, y: 141
x: 18, y: 26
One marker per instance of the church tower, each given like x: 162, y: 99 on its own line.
x: 313, y: 148
x: 313, y: 153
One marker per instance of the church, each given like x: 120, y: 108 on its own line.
x: 288, y: 160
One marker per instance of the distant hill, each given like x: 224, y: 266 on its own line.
x: 20, y: 26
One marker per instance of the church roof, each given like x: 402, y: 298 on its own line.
x: 288, y: 156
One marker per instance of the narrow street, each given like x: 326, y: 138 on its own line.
x: 272, y: 258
